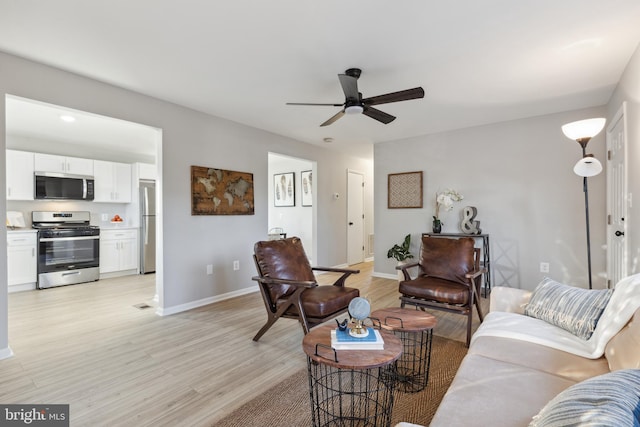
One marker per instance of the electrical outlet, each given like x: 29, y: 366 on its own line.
x: 209, y: 269
x: 236, y: 265
x: 544, y: 267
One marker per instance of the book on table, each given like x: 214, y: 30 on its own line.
x: 341, y: 340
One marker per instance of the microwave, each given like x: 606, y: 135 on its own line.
x: 57, y: 186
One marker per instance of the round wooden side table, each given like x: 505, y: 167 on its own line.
x: 350, y: 387
x: 415, y: 330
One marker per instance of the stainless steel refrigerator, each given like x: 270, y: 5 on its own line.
x: 148, y: 227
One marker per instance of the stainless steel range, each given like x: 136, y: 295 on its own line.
x: 68, y: 248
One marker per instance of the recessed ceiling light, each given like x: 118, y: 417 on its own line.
x: 327, y: 140
x: 67, y: 118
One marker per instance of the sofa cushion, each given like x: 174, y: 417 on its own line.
x: 535, y: 356
x: 611, y: 399
x: 488, y: 392
x: 573, y: 309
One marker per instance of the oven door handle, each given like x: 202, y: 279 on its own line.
x: 60, y: 239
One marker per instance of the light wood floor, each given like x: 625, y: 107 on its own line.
x: 117, y: 365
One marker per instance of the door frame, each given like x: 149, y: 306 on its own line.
x: 621, y: 114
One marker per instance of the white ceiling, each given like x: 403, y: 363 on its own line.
x: 479, y: 61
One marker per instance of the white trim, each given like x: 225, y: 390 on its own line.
x: 385, y: 275
x: 6, y: 353
x: 205, y: 301
x: 369, y: 259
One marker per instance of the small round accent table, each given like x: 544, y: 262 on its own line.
x: 350, y: 387
x: 415, y: 329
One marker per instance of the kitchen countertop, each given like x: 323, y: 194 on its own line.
x: 21, y: 230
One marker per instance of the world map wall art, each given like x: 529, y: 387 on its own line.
x: 221, y: 192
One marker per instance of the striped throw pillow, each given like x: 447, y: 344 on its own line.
x: 607, y: 400
x: 573, y: 309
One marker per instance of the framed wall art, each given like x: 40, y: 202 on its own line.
x: 306, y: 180
x: 221, y: 192
x: 284, y: 189
x: 404, y: 190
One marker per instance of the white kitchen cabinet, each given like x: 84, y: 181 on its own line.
x: 118, y: 251
x: 22, y: 260
x: 147, y: 171
x: 20, y: 167
x: 112, y: 182
x: 63, y: 164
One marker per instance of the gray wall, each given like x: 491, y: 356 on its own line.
x: 629, y: 90
x: 519, y: 175
x: 189, y: 138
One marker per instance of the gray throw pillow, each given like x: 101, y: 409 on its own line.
x: 607, y: 400
x: 573, y: 309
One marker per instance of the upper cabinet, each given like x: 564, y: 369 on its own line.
x: 62, y: 164
x: 19, y: 175
x: 146, y: 171
x: 112, y: 182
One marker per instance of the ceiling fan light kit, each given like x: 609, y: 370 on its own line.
x: 355, y: 104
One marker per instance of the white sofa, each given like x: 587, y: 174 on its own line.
x: 516, y: 364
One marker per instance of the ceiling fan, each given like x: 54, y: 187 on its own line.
x: 355, y: 104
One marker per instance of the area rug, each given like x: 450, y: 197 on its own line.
x: 287, y: 404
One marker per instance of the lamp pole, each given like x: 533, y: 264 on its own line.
x: 585, y: 188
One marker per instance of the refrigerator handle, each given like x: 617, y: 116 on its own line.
x: 146, y: 230
x: 146, y: 200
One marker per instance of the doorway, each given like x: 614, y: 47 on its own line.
x: 38, y: 127
x: 617, y: 200
x: 355, y: 217
x: 292, y: 208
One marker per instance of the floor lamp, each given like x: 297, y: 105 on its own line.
x: 582, y: 131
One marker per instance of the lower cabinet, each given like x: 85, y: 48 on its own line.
x: 119, y: 251
x: 22, y: 260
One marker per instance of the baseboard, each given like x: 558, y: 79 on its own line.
x: 368, y: 259
x: 167, y: 311
x: 385, y: 275
x: 6, y: 353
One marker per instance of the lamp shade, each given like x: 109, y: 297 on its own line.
x: 588, y: 166
x: 583, y: 128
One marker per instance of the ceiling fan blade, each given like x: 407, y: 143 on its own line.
x: 378, y: 115
x: 403, y: 95
x: 334, y: 118
x: 308, y: 103
x: 349, y: 86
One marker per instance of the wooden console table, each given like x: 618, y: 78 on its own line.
x: 486, y: 254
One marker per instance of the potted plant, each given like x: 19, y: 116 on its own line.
x: 401, y: 253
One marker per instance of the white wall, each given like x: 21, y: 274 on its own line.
x: 294, y: 220
x: 189, y: 138
x: 519, y: 175
x: 629, y: 90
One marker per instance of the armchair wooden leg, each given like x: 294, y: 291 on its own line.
x: 469, y: 322
x: 265, y: 328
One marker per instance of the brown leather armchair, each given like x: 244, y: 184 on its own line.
x: 449, y: 277
x: 289, y: 288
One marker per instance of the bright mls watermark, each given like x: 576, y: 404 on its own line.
x: 34, y: 415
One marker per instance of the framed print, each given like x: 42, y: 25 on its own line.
x: 404, y: 190
x: 221, y: 192
x: 306, y: 180
x: 284, y: 189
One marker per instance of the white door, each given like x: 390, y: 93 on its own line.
x: 617, y: 247
x: 355, y: 218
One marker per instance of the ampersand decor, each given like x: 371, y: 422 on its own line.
x: 468, y: 225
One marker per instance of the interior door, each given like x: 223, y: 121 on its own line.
x: 355, y: 218
x: 617, y: 202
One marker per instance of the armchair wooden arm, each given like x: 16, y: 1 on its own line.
x: 346, y: 273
